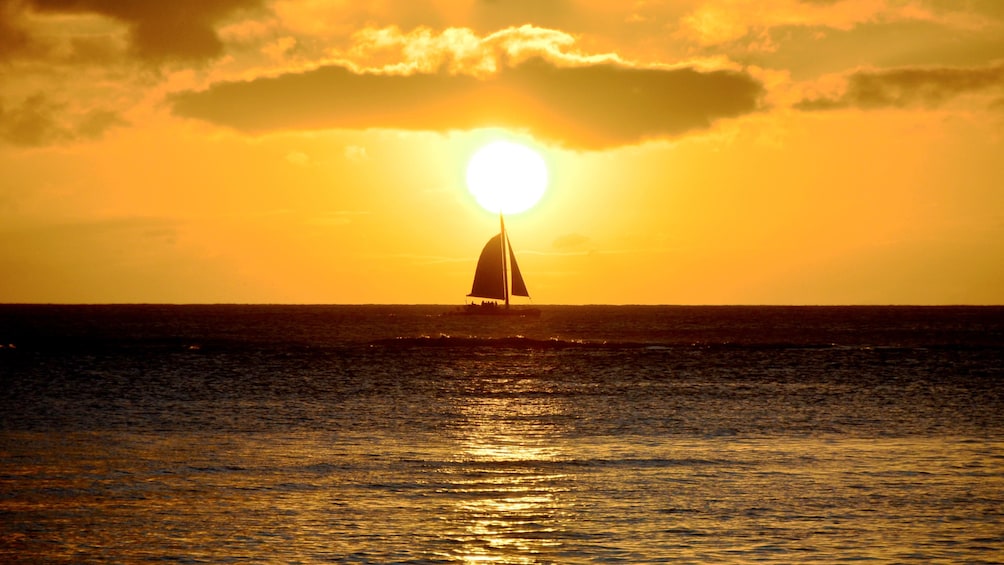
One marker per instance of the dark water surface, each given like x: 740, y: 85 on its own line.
x: 391, y: 434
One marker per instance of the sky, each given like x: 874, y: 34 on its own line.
x: 699, y: 151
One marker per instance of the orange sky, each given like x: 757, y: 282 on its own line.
x: 700, y: 151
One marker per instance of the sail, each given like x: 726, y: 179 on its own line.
x: 518, y: 286
x: 488, y: 279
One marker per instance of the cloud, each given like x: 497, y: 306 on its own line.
x: 13, y: 39
x: 460, y: 50
x: 40, y: 121
x: 33, y: 123
x: 906, y: 87
x: 587, y: 106
x: 731, y: 24
x: 96, y: 122
x: 179, y: 29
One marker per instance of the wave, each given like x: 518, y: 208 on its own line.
x: 203, y: 345
x: 555, y: 343
x: 506, y: 342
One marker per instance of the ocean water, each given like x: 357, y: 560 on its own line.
x: 593, y: 434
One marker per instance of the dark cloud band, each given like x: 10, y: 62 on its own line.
x: 901, y: 88
x: 176, y: 29
x: 590, y: 106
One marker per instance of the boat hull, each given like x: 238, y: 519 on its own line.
x: 490, y: 309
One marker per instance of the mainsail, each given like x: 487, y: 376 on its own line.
x: 490, y: 276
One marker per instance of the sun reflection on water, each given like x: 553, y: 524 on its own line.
x: 508, y: 505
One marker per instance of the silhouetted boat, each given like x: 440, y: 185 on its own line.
x: 497, y: 278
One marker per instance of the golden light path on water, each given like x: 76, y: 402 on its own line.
x: 497, y: 458
x: 509, y: 496
x: 505, y: 494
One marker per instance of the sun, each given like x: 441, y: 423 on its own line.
x: 506, y: 177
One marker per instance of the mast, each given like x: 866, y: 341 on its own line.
x: 505, y: 274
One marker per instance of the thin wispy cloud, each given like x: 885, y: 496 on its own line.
x: 906, y: 87
x: 39, y: 120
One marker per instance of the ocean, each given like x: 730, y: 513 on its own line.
x: 592, y: 434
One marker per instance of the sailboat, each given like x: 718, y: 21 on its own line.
x: 497, y: 277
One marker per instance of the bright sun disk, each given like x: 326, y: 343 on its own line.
x: 506, y: 177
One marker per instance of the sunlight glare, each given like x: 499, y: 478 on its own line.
x: 507, y: 177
